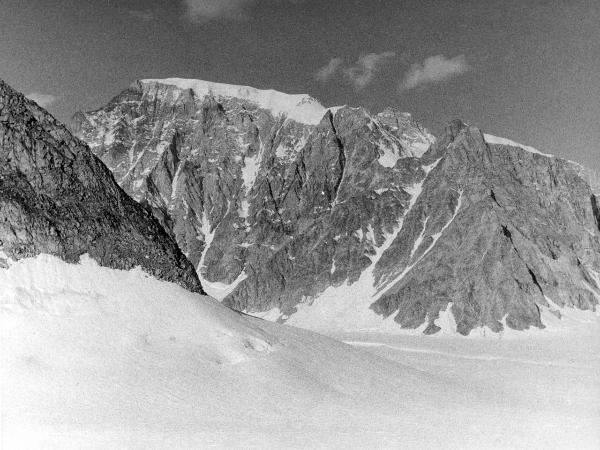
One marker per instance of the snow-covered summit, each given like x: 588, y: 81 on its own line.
x: 491, y: 139
x: 299, y: 107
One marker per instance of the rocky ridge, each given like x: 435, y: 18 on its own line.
x: 56, y: 197
x: 341, y: 222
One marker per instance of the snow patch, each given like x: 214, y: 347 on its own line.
x: 446, y: 322
x: 419, y: 148
x: 220, y: 290
x: 490, y: 139
x: 419, y: 240
x: 271, y: 315
x: 390, y: 154
x: 208, y: 236
x: 431, y: 166
x: 335, y: 109
x: 109, y: 138
x: 175, y: 182
x: 250, y: 171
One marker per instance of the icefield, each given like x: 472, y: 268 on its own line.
x: 92, y: 357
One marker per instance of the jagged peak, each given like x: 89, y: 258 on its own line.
x: 6, y: 89
x: 8, y: 95
x: 453, y: 129
x: 457, y: 126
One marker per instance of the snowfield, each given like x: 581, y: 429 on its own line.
x: 301, y: 108
x: 92, y: 357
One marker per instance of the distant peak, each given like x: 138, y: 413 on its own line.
x: 298, y: 107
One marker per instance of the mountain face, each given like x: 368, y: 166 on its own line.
x: 338, y: 219
x: 57, y: 198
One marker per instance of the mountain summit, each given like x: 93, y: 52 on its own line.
x: 354, y: 221
x: 299, y: 107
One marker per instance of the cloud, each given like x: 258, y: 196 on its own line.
x: 359, y: 74
x: 43, y: 100
x: 434, y: 69
x: 202, y: 11
x: 366, y: 67
x: 329, y: 70
x: 145, y: 15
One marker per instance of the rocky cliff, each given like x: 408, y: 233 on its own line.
x: 56, y: 197
x: 335, y: 218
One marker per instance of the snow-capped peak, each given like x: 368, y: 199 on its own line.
x: 491, y: 139
x: 301, y: 108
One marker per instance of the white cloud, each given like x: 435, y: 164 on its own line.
x: 434, y: 69
x: 363, y: 72
x: 329, y: 70
x: 43, y: 100
x: 202, y: 11
x: 360, y: 74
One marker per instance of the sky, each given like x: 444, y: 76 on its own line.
x: 528, y: 70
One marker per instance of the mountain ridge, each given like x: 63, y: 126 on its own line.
x: 275, y: 213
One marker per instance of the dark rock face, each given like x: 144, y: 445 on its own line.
x: 281, y: 214
x: 523, y: 237
x: 56, y: 197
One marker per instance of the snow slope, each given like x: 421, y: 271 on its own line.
x: 301, y: 108
x: 544, y: 387
x: 103, y: 358
x: 491, y: 139
x: 92, y: 357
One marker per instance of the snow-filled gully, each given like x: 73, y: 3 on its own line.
x: 383, y: 289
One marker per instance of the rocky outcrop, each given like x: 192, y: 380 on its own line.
x: 56, y: 197
x: 345, y: 218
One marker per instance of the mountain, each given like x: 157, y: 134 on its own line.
x: 339, y: 219
x: 96, y: 353
x: 57, y: 198
x: 103, y: 347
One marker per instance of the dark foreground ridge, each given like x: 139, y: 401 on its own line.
x: 56, y: 197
